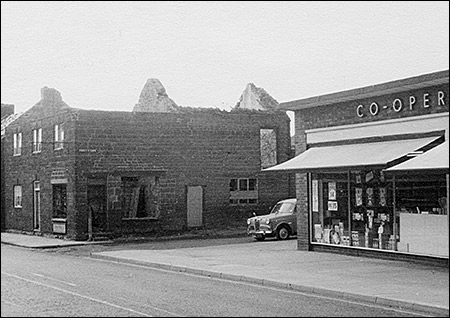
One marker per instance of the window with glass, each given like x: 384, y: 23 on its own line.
x: 284, y: 208
x: 243, y: 191
x: 372, y: 219
x: 37, y: 140
x: 59, y: 136
x: 17, y: 144
x: 353, y: 209
x: 421, y: 213
x: 356, y: 208
x: 59, y: 201
x: 17, y: 196
x: 330, y: 216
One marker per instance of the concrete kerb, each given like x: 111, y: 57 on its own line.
x: 364, y: 299
x: 137, y: 262
x: 437, y: 311
x: 275, y: 284
x: 232, y: 277
x: 211, y: 274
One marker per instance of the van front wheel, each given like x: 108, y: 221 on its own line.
x: 283, y: 233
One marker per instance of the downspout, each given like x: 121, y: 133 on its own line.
x: 349, y: 206
x: 394, y: 205
x: 89, y: 215
x: 448, y: 222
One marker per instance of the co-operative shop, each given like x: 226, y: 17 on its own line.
x: 372, y: 171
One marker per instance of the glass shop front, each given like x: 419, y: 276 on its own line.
x: 374, y: 209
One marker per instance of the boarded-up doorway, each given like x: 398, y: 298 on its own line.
x: 194, y: 206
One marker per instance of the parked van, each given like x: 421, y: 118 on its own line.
x: 281, y: 222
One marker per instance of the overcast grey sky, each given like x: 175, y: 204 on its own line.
x: 100, y: 54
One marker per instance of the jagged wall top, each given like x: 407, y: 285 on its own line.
x: 154, y: 99
x: 256, y: 98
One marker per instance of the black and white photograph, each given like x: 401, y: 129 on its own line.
x: 225, y: 158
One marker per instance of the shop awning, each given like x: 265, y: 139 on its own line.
x: 434, y: 159
x: 352, y: 155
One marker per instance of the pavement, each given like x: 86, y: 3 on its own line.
x: 403, y: 285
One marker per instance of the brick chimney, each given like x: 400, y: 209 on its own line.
x: 50, y: 95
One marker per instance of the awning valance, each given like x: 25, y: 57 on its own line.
x: 434, y: 159
x: 352, y: 155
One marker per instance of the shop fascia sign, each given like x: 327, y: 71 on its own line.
x: 398, y: 104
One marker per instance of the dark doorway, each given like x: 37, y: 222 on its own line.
x: 96, y: 194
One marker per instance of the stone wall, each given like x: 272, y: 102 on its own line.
x: 205, y: 147
x: 196, y: 147
x: 29, y: 167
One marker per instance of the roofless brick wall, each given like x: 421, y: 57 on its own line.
x: 196, y: 147
x: 103, y: 153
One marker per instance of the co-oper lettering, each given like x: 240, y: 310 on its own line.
x: 398, y: 104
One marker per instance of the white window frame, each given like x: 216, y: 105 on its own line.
x: 17, y: 144
x: 37, y: 205
x: 59, y: 136
x: 17, y: 196
x: 244, y: 196
x: 37, y: 140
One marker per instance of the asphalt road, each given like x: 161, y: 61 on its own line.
x: 65, y: 282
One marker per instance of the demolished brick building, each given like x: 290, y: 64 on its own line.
x: 79, y: 174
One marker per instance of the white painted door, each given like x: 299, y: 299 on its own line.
x: 194, y: 206
x: 37, y: 206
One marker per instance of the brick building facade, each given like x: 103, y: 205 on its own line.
x: 77, y: 173
x: 345, y: 144
x: 7, y: 114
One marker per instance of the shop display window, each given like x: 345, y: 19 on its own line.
x: 372, y: 220
x: 330, y: 208
x: 421, y: 210
x: 353, y: 209
x: 356, y: 208
x: 421, y: 193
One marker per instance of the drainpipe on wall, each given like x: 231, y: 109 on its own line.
x: 90, y: 225
x: 448, y: 194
